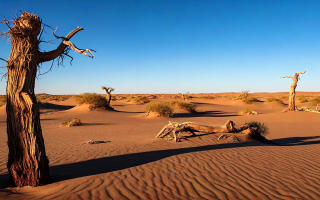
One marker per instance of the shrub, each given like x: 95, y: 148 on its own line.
x: 244, y: 111
x: 162, y: 108
x: 302, y: 99
x: 185, y: 105
x: 244, y: 95
x: 273, y: 99
x: 250, y: 100
x: 315, y: 101
x: 141, y: 100
x: 95, y: 100
x: 74, y: 122
x: 259, y: 128
x: 3, y: 100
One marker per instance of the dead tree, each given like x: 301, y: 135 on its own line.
x: 28, y: 164
x: 292, y: 94
x: 245, y: 133
x: 108, y: 92
x: 184, y: 96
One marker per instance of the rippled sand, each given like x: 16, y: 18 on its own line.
x: 134, y: 165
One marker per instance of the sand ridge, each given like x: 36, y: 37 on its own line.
x: 134, y: 165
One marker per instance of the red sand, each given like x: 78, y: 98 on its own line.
x: 134, y: 165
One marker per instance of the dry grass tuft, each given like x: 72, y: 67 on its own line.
x: 95, y: 100
x: 74, y: 122
x: 185, y: 105
x: 164, y: 109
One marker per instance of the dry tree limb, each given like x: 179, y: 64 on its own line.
x: 173, y: 130
x: 47, y: 56
x: 292, y: 92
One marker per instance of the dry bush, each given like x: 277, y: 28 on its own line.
x: 3, y: 100
x: 244, y: 94
x: 302, y: 99
x: 273, y: 99
x: 244, y: 111
x: 164, y: 109
x: 185, y: 105
x: 94, y: 100
x: 141, y: 100
x: 258, y: 128
x: 315, y: 101
x: 250, y: 100
x: 74, y: 122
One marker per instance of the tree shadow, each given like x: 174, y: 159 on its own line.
x: 205, y: 114
x: 96, y: 124
x: 294, y: 141
x: 51, y: 106
x: 119, y: 162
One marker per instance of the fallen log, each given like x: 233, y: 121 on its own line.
x: 173, y: 130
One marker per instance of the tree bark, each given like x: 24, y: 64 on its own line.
x: 292, y: 92
x: 27, y: 162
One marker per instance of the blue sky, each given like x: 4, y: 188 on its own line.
x: 172, y: 46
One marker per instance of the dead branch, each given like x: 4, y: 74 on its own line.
x: 286, y: 77
x: 172, y: 131
x: 62, y: 48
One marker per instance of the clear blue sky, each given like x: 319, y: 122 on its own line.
x: 172, y: 46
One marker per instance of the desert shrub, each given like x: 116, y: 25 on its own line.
x: 184, y: 105
x: 315, y: 101
x: 244, y: 111
x: 162, y: 108
x: 273, y: 99
x: 141, y: 100
x: 302, y: 99
x: 3, y: 100
x: 74, y: 122
x: 244, y: 95
x: 259, y: 128
x: 250, y: 100
x: 95, y: 100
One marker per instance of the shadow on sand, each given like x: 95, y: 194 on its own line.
x: 119, y: 162
x: 51, y: 106
x: 205, y: 114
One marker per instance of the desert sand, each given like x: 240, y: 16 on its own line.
x: 135, y: 165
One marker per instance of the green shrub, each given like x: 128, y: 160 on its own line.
x: 185, y: 105
x: 259, y: 128
x: 95, y: 100
x: 250, y: 100
x: 162, y: 108
x: 244, y: 111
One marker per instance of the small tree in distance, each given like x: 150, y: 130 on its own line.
x: 292, y: 94
x: 108, y: 92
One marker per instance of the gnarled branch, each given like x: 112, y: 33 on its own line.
x: 286, y: 77
x: 298, y: 73
x: 47, y: 56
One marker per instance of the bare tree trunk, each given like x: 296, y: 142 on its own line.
x: 292, y: 95
x: 108, y: 98
x: 108, y: 92
x: 292, y: 92
x: 27, y: 162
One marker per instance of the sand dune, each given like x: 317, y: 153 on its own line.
x: 134, y: 165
